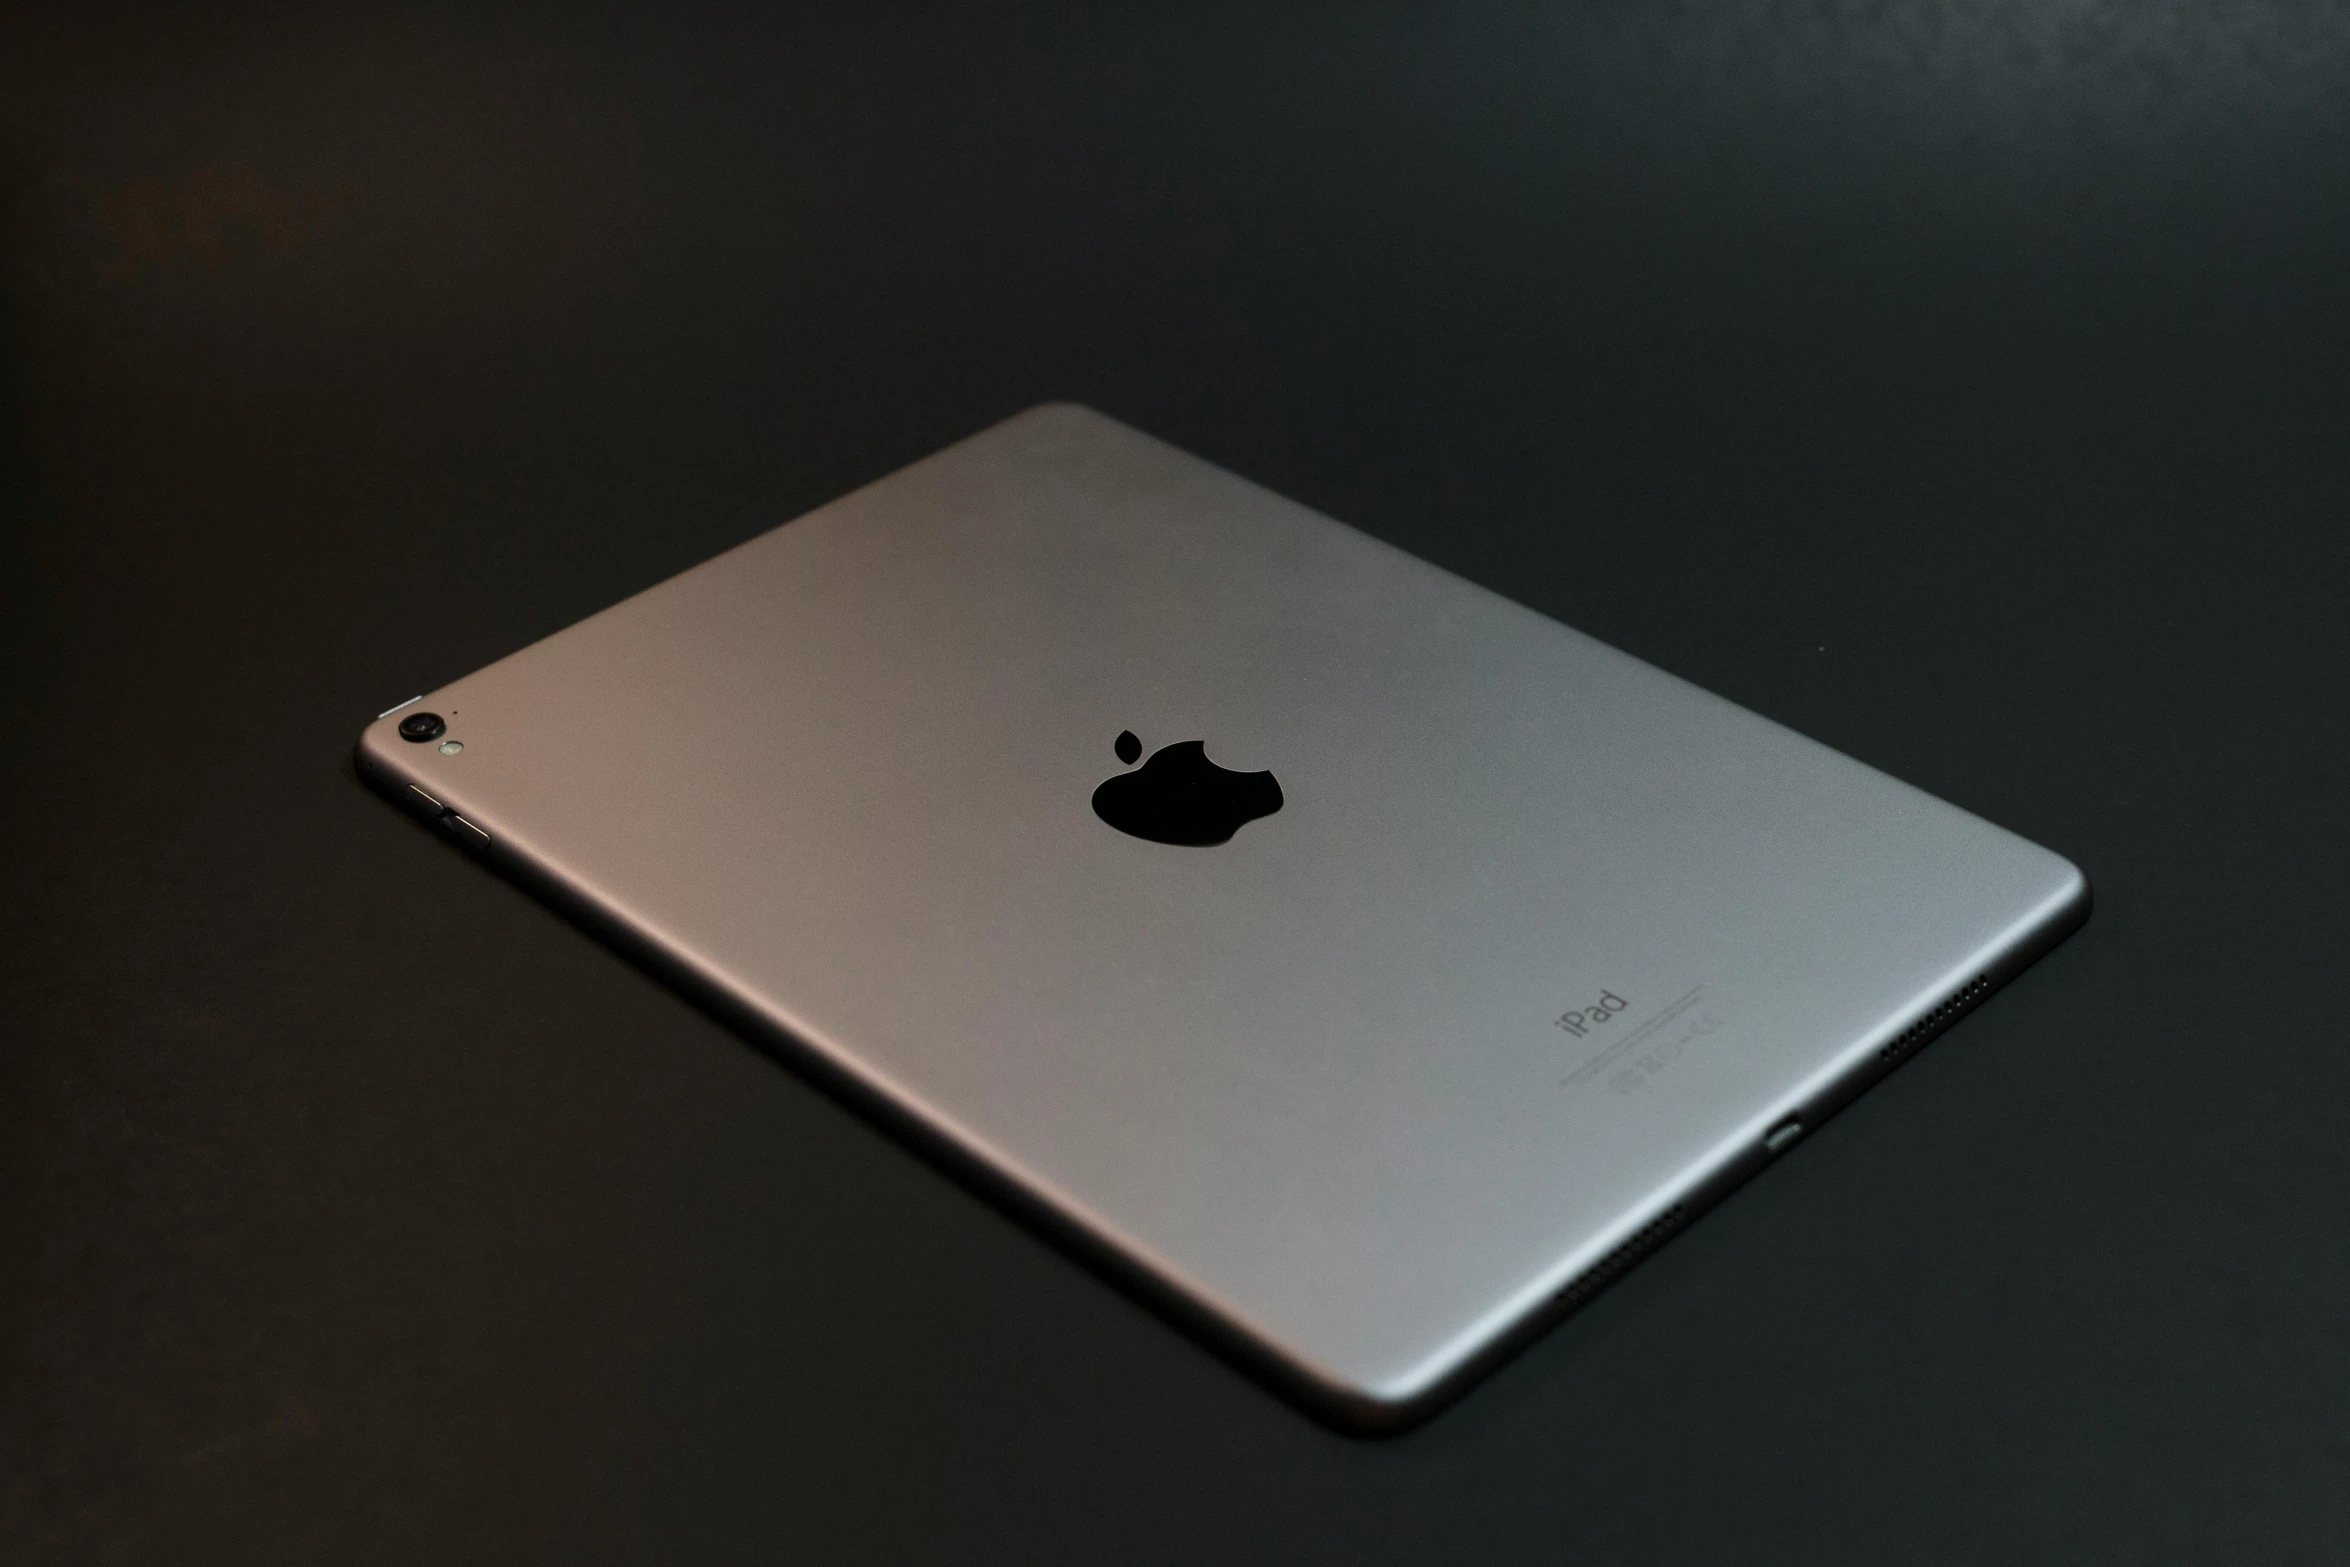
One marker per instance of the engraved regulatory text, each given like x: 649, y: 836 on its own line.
x: 1627, y: 1061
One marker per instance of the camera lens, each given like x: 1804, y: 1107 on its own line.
x: 422, y: 726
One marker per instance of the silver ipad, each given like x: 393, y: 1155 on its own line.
x: 1366, y: 965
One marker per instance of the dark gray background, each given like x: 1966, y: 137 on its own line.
x: 1967, y: 385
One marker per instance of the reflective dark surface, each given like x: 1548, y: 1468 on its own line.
x: 1963, y: 386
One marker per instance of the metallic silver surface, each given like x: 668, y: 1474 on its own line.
x: 1314, y: 1080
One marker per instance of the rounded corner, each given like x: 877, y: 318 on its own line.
x: 2077, y: 899
x: 1369, y: 1414
x: 1061, y: 413
x: 363, y: 745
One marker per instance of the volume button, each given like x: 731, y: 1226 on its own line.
x: 438, y: 809
x: 468, y: 834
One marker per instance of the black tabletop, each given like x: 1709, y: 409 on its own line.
x: 1967, y: 386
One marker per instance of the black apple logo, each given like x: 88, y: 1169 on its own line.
x: 1179, y: 796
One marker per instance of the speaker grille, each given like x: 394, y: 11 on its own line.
x: 1608, y: 1268
x: 1935, y: 1021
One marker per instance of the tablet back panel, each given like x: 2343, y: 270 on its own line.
x: 1541, y: 943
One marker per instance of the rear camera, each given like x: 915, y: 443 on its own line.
x: 421, y: 727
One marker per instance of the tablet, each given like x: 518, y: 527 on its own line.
x: 1363, y: 965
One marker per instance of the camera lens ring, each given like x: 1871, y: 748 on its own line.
x: 420, y: 727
